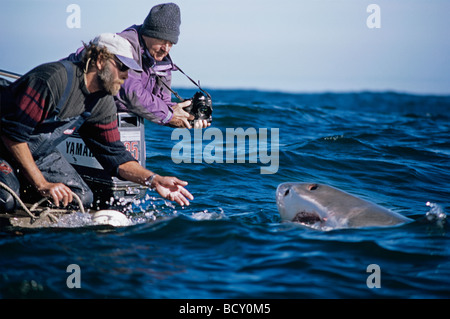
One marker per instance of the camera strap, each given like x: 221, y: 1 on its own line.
x: 169, y: 88
x: 175, y: 93
x: 198, y: 85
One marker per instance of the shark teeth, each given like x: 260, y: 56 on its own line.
x: 308, y: 218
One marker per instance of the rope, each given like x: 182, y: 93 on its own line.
x: 48, y: 212
x: 10, y: 74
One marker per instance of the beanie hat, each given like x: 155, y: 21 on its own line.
x: 163, y: 22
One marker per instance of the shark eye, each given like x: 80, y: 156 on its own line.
x: 286, y: 192
x: 313, y: 187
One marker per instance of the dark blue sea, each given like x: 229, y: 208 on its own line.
x: 390, y: 148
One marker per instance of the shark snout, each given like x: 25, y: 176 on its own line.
x: 295, y: 205
x: 282, y: 191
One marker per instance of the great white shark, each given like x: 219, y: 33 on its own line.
x: 324, y: 207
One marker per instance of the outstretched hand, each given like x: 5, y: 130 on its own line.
x: 173, y: 189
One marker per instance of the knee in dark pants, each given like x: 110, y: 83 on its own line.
x: 56, y: 169
x: 11, y: 184
x: 7, y: 202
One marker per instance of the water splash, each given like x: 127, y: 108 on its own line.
x: 207, y: 215
x: 436, y: 214
x: 333, y: 138
x: 73, y: 220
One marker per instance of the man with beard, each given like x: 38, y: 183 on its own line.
x: 50, y: 103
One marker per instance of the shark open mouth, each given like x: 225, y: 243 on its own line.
x: 308, y: 218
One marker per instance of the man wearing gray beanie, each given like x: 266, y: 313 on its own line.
x: 147, y: 93
x: 144, y: 93
x: 163, y: 22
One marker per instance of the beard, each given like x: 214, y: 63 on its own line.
x: 106, y: 79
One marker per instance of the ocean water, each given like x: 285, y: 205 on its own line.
x: 389, y: 148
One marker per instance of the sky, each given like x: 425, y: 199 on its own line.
x: 286, y: 45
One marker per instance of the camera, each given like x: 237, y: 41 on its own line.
x: 200, y: 108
